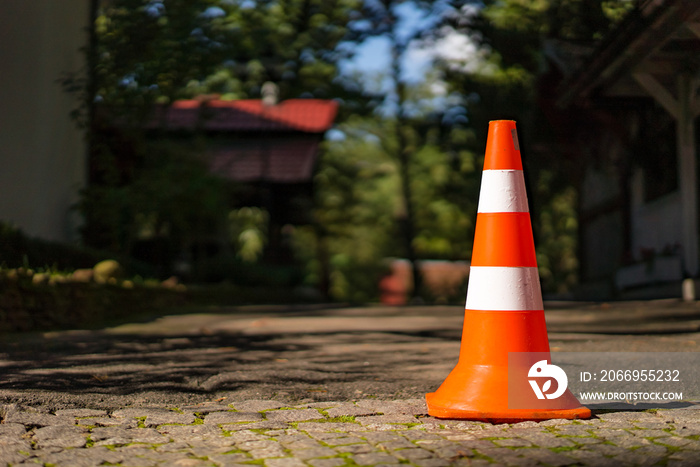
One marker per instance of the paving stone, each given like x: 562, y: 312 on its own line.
x: 229, y: 459
x: 256, y: 444
x: 512, y: 442
x: 409, y: 407
x: 634, y: 416
x: 637, y: 459
x: 16, y: 444
x: 691, y: 415
x: 60, y: 436
x: 574, y: 430
x: 413, y: 454
x: 464, y: 425
x: 12, y: 429
x: 324, y: 435
x: 398, y: 443
x: 264, y: 425
x: 104, y: 421
x: 545, y: 456
x: 256, y: 405
x: 658, y: 424
x: 374, y: 458
x: 393, y: 419
x: 652, y: 450
x: 415, y: 435
x: 326, y: 462
x: 266, y: 453
x: 682, y: 463
x: 466, y: 462
x: 593, y: 458
x: 354, y: 448
x: 204, y: 448
x: 192, y: 463
x: 684, y: 431
x: 105, y: 436
x: 631, y: 442
x: 134, y: 450
x: 147, y: 435
x: 449, y: 450
x: 328, y: 426
x: 296, y: 415
x: 299, y: 441
x: 348, y: 408
x: 506, y: 457
x: 476, y: 444
x: 380, y: 437
x: 586, y: 440
x: 525, y: 424
x: 173, y: 446
x: 262, y: 449
x: 651, y: 433
x: 206, y: 408
x: 138, y: 462
x: 312, y: 453
x: 547, y: 440
x: 38, y: 419
x: 674, y: 441
x: 86, y: 457
x: 431, y: 462
x: 232, y: 417
x: 11, y: 455
x: 556, y: 422
x: 284, y: 462
x: 611, y: 434
x: 155, y: 416
x: 609, y: 450
x: 190, y: 432
x: 683, y: 456
x: 343, y: 440
x: 81, y: 413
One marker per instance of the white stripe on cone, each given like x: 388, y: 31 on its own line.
x: 502, y: 191
x: 504, y: 288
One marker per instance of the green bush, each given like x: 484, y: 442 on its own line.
x: 20, y: 250
x: 38, y: 301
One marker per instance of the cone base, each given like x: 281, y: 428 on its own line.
x: 480, y: 392
x: 503, y: 416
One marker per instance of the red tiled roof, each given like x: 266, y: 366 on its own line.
x: 304, y: 115
x: 282, y: 160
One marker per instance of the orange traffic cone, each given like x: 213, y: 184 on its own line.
x: 505, y: 349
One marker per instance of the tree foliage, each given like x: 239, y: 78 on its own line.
x: 511, y: 38
x: 402, y: 181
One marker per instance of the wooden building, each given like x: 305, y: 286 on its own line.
x: 629, y: 109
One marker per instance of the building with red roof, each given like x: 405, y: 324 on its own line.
x: 269, y: 150
x: 276, y: 144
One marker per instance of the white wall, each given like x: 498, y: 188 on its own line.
x: 42, y: 153
x: 657, y: 224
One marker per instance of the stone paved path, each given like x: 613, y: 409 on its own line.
x: 312, y: 388
x: 329, y: 434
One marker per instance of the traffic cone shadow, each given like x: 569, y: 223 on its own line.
x: 504, y: 335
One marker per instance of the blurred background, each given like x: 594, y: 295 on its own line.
x: 332, y: 149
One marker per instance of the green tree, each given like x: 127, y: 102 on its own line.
x: 504, y: 74
x: 152, y: 52
x: 383, y: 18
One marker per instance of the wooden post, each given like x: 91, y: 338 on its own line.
x: 687, y: 176
x: 683, y: 109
